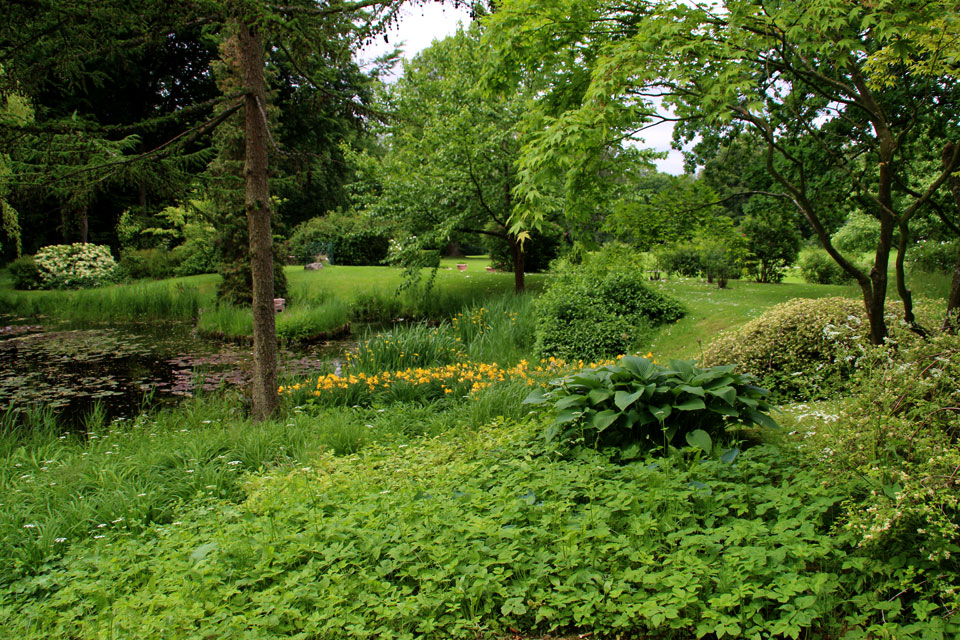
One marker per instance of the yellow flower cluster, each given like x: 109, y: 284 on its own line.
x: 466, y: 375
x: 462, y: 377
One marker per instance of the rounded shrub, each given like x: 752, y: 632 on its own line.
x: 806, y: 347
x: 26, y: 273
x: 76, y: 266
x: 933, y: 257
x: 597, y: 310
x: 344, y: 239
x: 543, y: 247
x: 817, y: 267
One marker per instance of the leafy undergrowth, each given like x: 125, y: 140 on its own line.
x: 443, y: 520
x: 466, y: 537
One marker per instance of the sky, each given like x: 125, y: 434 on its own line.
x: 420, y: 25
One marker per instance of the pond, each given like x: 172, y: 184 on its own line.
x: 122, y: 367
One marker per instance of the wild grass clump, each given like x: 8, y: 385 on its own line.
x: 501, y: 330
x: 405, y: 347
x: 295, y: 324
x: 808, y: 348
x: 117, y: 478
x: 168, y: 299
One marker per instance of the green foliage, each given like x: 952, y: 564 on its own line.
x: 407, y: 347
x: 636, y: 405
x: 931, y: 256
x: 76, y: 266
x: 455, y: 538
x: 163, y: 300
x: 892, y: 445
x: 542, y: 247
x: 147, y: 263
x: 26, y: 273
x: 772, y: 241
x: 500, y: 330
x: 807, y: 348
x: 598, y: 310
x: 682, y: 259
x: 343, y: 238
x: 817, y: 267
x: 236, y: 284
x: 859, y: 234
x: 298, y: 323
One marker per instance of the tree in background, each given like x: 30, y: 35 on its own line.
x: 46, y: 42
x: 797, y: 75
x: 448, y: 166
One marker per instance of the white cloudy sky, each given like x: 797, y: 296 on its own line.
x: 420, y: 25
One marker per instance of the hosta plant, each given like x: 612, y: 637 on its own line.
x: 637, y: 405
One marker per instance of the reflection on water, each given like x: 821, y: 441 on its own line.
x: 123, y: 366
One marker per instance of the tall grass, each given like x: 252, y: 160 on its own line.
x: 57, y: 488
x: 499, y: 331
x: 406, y: 347
x: 295, y: 323
x: 167, y: 299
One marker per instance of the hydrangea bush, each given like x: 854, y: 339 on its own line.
x: 76, y: 266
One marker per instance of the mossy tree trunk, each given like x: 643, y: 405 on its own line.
x: 264, y: 383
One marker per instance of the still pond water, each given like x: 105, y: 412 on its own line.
x: 121, y: 367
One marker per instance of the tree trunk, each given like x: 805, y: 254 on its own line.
x: 516, y: 251
x: 905, y: 295
x: 84, y: 225
x: 953, y: 301
x: 265, y: 398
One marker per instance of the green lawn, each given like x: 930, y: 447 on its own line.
x: 711, y: 310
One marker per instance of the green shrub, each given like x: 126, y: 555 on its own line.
x: 345, y: 240
x: 893, y: 446
x: 26, y: 273
x: 148, y: 263
x: 76, y: 266
x: 817, y: 267
x: 598, y: 310
x: 637, y: 405
x: 772, y: 240
x: 934, y: 257
x: 540, y: 249
x: 682, y: 259
x: 859, y: 234
x: 196, y: 256
x: 807, y: 347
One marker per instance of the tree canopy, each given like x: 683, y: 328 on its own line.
x: 811, y: 81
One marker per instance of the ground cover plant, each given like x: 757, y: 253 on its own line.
x: 477, y: 529
x: 427, y: 503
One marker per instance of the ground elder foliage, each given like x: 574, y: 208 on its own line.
x: 470, y: 539
x: 636, y: 405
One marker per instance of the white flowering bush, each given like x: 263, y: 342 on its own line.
x: 807, y: 347
x: 76, y: 266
